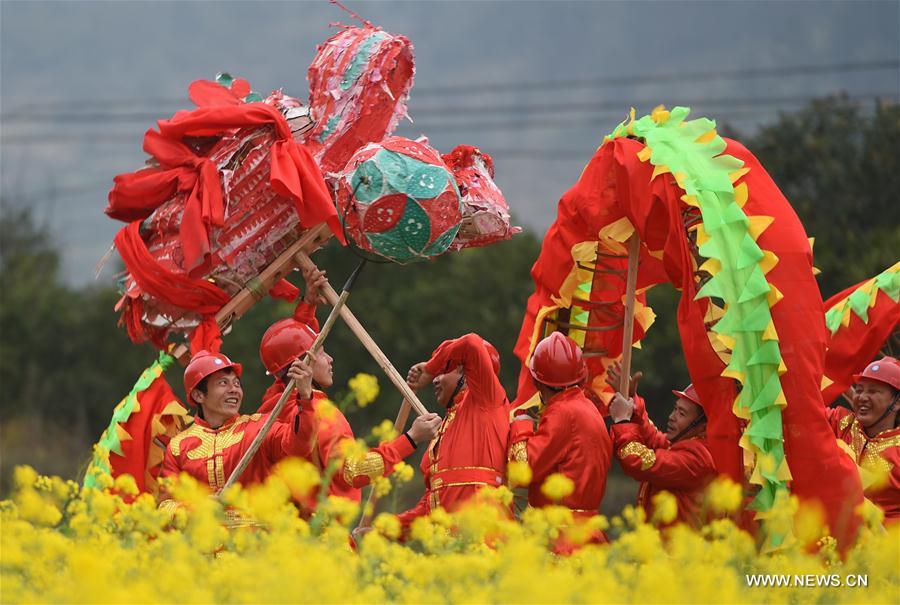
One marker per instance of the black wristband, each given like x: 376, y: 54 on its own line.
x: 410, y: 439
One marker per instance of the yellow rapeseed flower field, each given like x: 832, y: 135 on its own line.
x: 63, y: 544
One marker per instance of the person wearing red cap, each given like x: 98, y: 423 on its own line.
x: 678, y: 461
x: 571, y: 438
x: 469, y: 451
x: 872, y: 432
x: 210, y: 449
x: 287, y: 340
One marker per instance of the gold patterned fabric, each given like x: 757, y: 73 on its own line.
x: 371, y: 465
x: 518, y: 452
x: 845, y: 421
x: 636, y: 448
x: 169, y: 506
x: 868, y: 450
x: 212, y: 446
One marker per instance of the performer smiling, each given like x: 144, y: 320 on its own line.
x: 210, y: 449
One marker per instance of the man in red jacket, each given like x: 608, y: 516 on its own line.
x: 210, y: 449
x: 469, y: 451
x: 677, y: 461
x: 872, y: 433
x: 571, y: 438
x: 287, y: 340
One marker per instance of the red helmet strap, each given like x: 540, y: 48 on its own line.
x: 701, y: 417
x: 459, y: 387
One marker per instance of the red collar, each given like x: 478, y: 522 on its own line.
x: 203, y: 423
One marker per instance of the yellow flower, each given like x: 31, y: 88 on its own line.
x: 25, y: 477
x: 519, y: 473
x: 125, y: 484
x: 557, y: 486
x: 402, y: 472
x: 364, y: 388
x: 384, y: 431
x: 388, y: 525
x: 62, y: 544
x: 382, y: 486
x: 724, y: 495
x: 665, y: 508
x: 353, y: 449
x: 301, y: 477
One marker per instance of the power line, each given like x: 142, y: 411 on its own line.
x: 458, y: 110
x: 735, y: 108
x: 556, y: 108
x: 478, y: 88
x: 733, y: 74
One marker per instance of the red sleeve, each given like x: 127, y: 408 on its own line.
x: 548, y: 445
x: 332, y: 428
x: 271, y: 397
x: 306, y: 313
x: 651, y: 436
x: 686, y: 465
x: 469, y: 351
x: 295, y: 437
x: 834, y: 416
x: 378, y: 462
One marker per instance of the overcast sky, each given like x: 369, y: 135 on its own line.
x: 485, y: 75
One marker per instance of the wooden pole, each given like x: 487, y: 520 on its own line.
x: 367, y: 341
x: 291, y: 385
x: 371, y: 500
x: 634, y: 248
x: 253, y: 291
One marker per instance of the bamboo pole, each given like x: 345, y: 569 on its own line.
x: 367, y: 341
x: 634, y: 247
x: 291, y: 385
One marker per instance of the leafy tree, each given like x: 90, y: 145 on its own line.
x: 837, y: 163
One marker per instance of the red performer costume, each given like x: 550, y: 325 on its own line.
x: 469, y: 451
x: 210, y: 453
x: 571, y: 437
x: 874, y: 446
x: 682, y: 466
x: 287, y: 340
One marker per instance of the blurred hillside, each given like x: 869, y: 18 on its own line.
x: 64, y: 364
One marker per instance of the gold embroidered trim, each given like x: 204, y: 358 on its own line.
x: 371, y: 465
x: 845, y: 422
x: 211, y: 472
x: 433, y: 500
x: 518, y: 452
x: 433, y: 449
x: 212, y: 446
x: 220, y: 471
x: 175, y: 443
x: 442, y: 485
x: 868, y: 451
x: 168, y: 505
x: 467, y: 468
x: 635, y: 448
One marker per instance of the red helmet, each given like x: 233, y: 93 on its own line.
x: 689, y: 393
x: 495, y: 356
x: 886, y: 370
x: 557, y: 362
x: 202, y: 365
x: 283, y: 342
